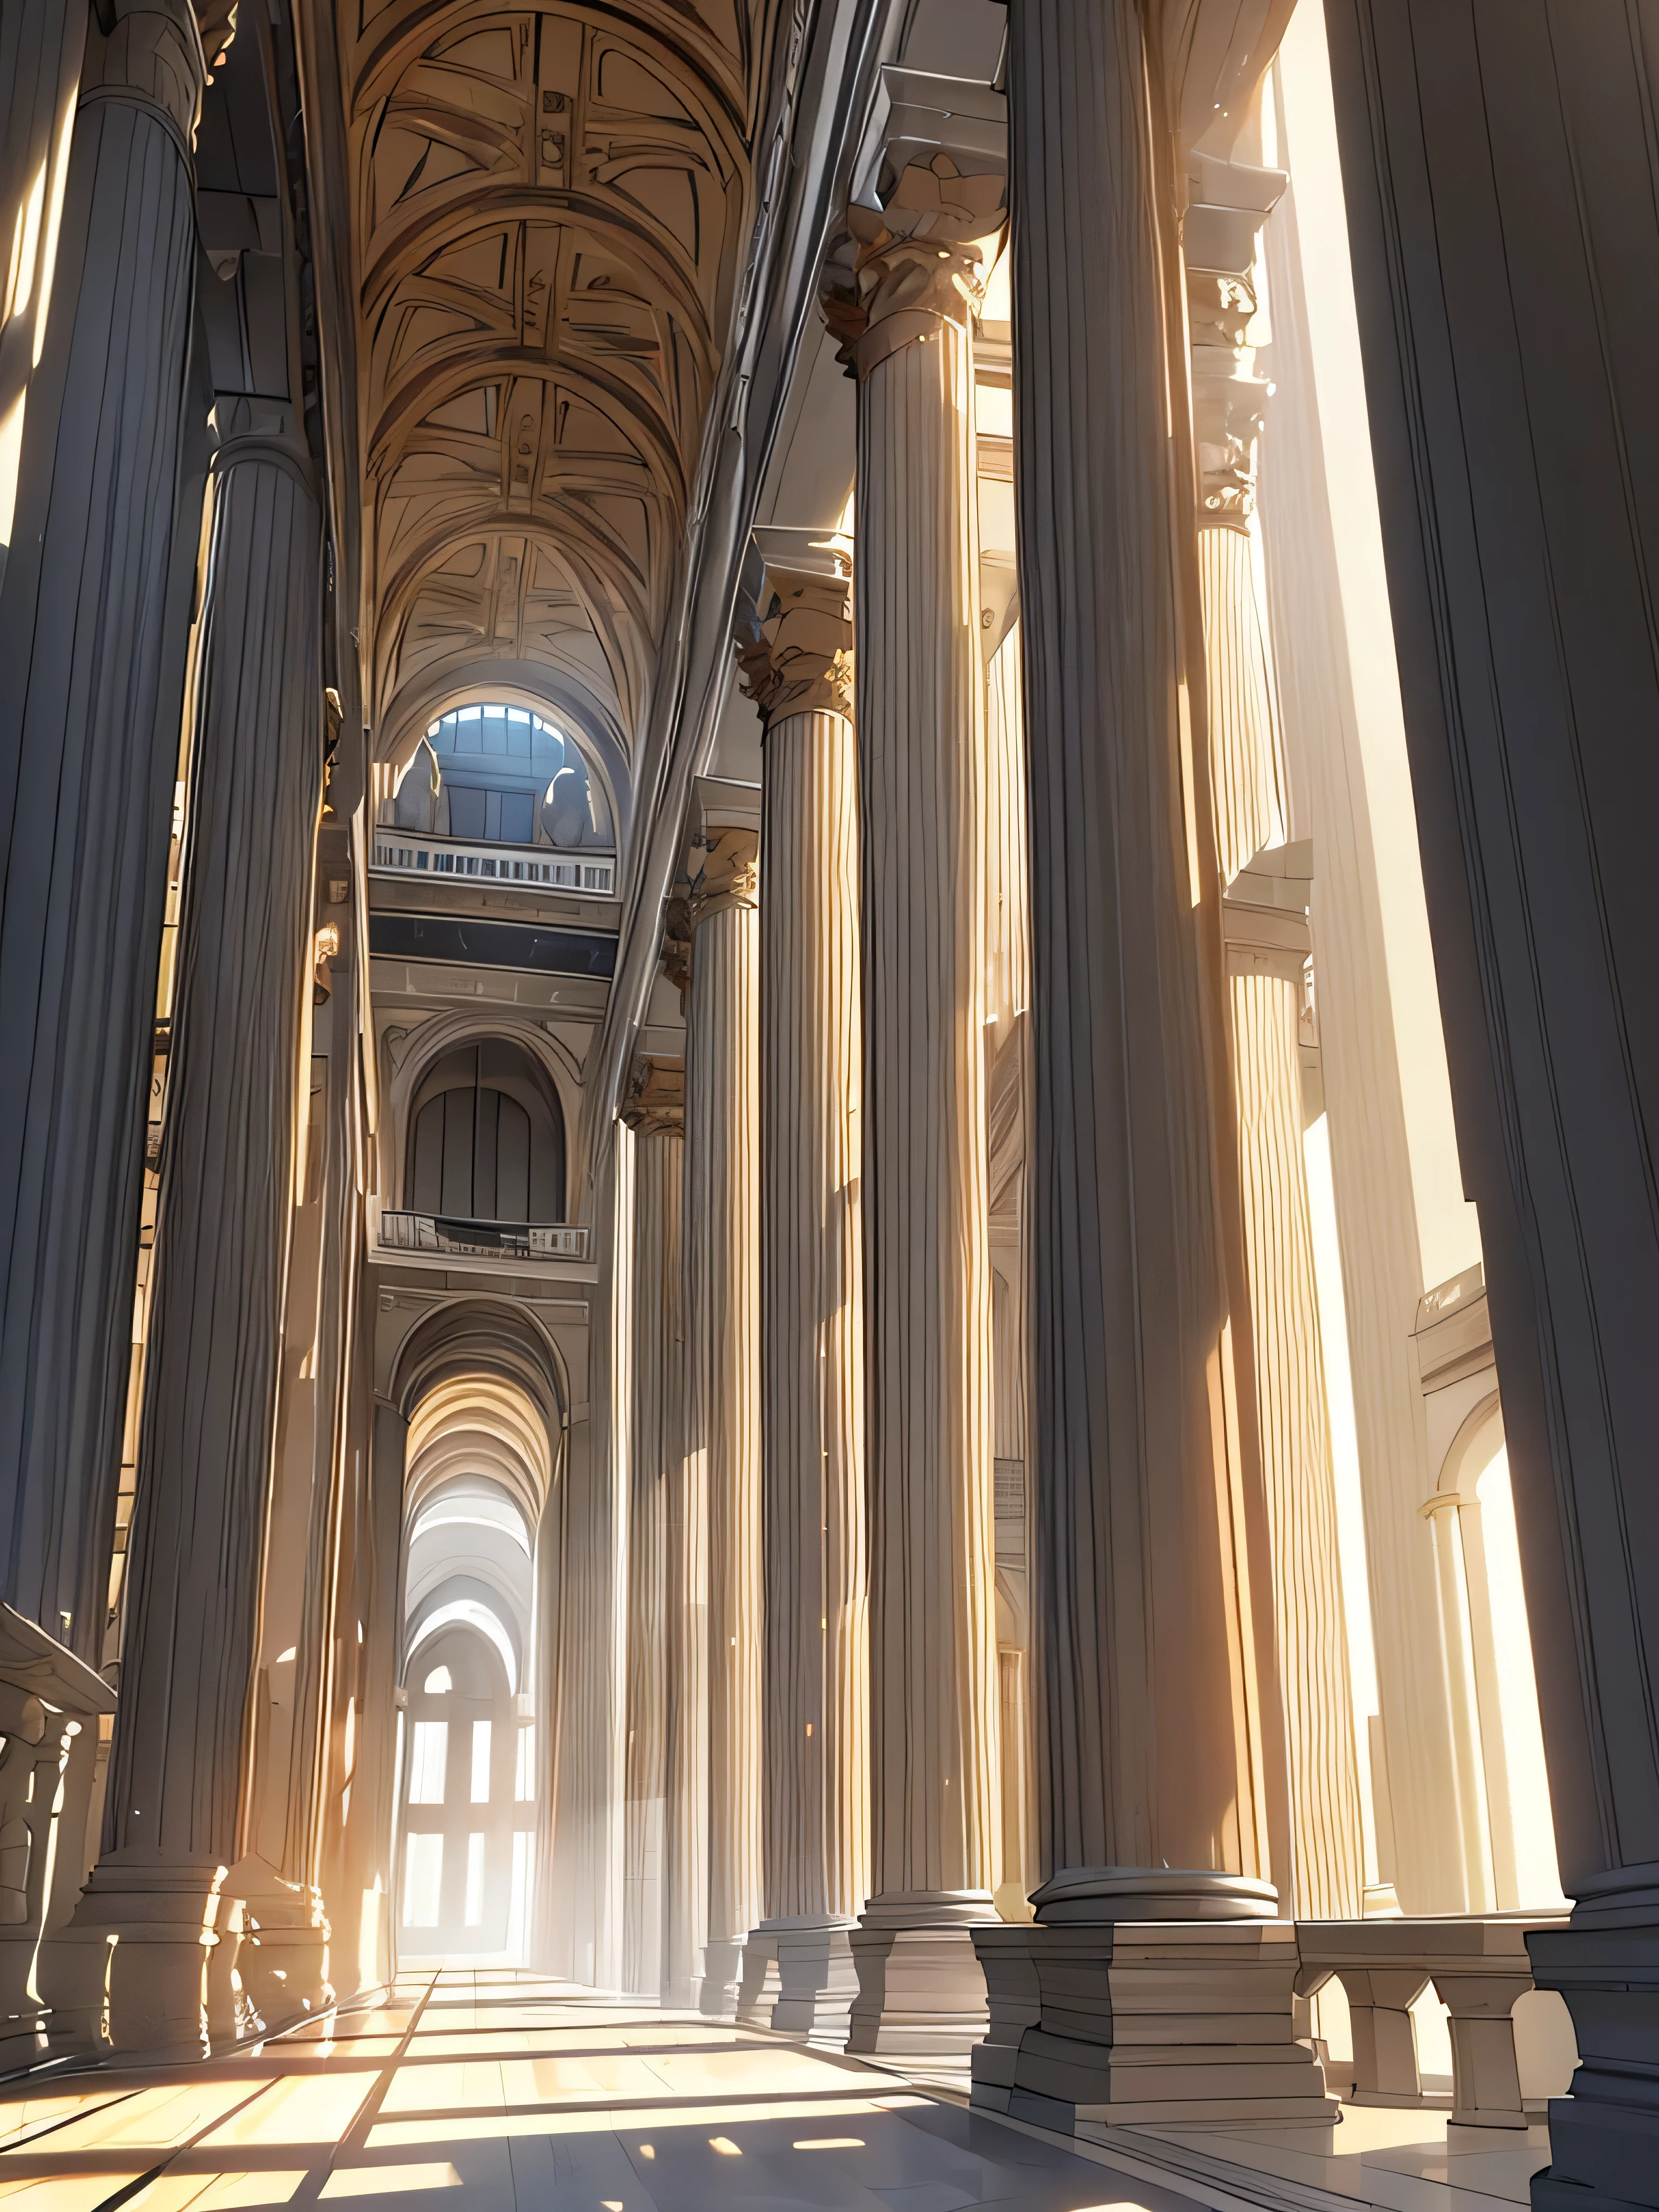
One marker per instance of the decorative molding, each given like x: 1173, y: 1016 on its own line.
x: 724, y: 872
x: 655, y: 1105
x: 801, y: 661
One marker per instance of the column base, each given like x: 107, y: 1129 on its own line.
x: 799, y: 1979
x: 144, y: 1963
x: 922, y: 1989
x: 1158, y: 2023
x: 757, y: 1986
x: 283, y: 1961
x: 1604, y: 2138
x: 722, y: 1976
x: 817, y: 1984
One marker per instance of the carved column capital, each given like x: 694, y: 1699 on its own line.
x: 724, y: 872
x: 1229, y: 202
x: 801, y: 662
x: 655, y: 1105
x: 921, y: 261
x: 154, y: 58
x: 677, y: 928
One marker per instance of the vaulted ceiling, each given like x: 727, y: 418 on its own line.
x: 550, y: 210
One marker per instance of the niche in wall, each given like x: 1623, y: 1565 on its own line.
x: 486, y: 1139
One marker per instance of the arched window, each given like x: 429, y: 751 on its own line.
x: 499, y: 775
x: 486, y: 1139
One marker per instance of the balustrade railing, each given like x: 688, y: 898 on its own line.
x: 532, y: 867
x: 489, y: 1240
x: 1479, y: 1966
x: 55, y: 1717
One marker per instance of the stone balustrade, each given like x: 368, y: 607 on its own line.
x: 50, y: 1772
x: 1479, y: 1966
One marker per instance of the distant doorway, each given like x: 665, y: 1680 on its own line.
x: 467, y: 1831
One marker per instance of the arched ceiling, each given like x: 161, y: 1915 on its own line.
x: 551, y: 204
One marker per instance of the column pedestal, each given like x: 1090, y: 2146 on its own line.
x: 1604, y: 2138
x: 284, y: 1956
x: 922, y: 1989
x: 1157, y: 2022
x: 140, y: 1954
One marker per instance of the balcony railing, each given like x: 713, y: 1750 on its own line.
x: 534, y: 867
x: 482, y: 1240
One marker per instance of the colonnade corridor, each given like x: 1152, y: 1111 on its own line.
x: 517, y: 2090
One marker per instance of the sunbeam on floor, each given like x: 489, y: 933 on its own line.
x: 489, y: 2088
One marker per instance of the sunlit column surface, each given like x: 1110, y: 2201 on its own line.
x: 722, y: 1389
x: 1265, y: 927
x: 935, y: 1809
x: 655, y: 1110
x: 816, y: 1802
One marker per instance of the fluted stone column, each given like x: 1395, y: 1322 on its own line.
x: 41, y: 44
x: 935, y: 1812
x: 1151, y: 1784
x: 174, y: 1809
x: 1492, y: 170
x: 1265, y: 920
x: 1267, y: 949
x: 655, y: 1111
x: 817, y: 1801
x: 685, y: 1574
x: 722, y: 1382
x: 92, y: 630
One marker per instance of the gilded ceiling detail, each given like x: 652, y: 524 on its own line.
x: 551, y: 208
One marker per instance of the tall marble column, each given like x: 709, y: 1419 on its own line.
x: 935, y: 1812
x: 1267, y: 949
x: 93, y: 629
x: 175, y: 1811
x: 1152, y: 1782
x: 1493, y: 172
x: 41, y: 44
x: 722, y: 1375
x: 655, y: 1111
x: 1265, y: 919
x: 685, y: 1574
x: 816, y: 1827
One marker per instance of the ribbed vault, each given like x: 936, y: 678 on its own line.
x: 551, y: 204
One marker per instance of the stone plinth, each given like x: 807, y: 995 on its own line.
x: 1160, y: 2023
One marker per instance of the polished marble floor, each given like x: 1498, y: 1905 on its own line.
x: 491, y: 2091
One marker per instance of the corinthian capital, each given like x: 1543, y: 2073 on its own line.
x: 725, y: 872
x: 929, y: 208
x: 800, y: 659
x: 1228, y: 202
x: 655, y: 1105
x: 677, y: 946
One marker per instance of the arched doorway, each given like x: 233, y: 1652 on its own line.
x: 466, y: 1848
